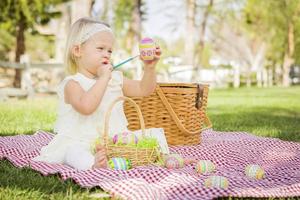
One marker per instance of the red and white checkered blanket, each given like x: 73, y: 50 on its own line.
x: 230, y: 151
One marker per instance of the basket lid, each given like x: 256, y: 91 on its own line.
x: 182, y: 85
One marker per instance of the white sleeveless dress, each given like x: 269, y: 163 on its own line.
x: 76, y: 130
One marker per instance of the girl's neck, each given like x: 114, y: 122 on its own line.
x: 86, y: 73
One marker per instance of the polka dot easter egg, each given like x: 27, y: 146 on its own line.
x: 205, y: 166
x: 216, y: 182
x: 125, y: 138
x: 254, y: 171
x: 119, y: 163
x: 147, y: 49
x: 174, y: 161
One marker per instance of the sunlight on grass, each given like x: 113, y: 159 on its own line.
x: 27, y: 116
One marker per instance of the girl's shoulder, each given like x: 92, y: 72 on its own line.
x: 85, y: 83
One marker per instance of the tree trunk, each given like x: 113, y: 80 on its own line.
x: 288, y: 56
x: 20, y: 49
x: 199, y: 50
x: 134, y: 32
x: 248, y: 79
x: 236, y: 77
x: 189, y: 48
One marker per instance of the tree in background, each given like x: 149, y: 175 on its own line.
x: 129, y: 15
x: 6, y: 42
x: 201, y: 49
x: 279, y: 23
x: 189, y: 48
x: 18, y: 16
x: 128, y: 18
x: 233, y: 43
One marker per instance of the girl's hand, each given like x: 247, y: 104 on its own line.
x: 105, y: 69
x: 100, y: 157
x: 152, y: 63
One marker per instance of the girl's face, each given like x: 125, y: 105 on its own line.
x: 96, y: 52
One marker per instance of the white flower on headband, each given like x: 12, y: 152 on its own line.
x: 93, y: 30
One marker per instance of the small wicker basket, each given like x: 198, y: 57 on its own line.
x: 137, y: 155
x: 178, y: 108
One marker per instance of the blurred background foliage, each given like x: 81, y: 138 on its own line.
x: 252, y: 37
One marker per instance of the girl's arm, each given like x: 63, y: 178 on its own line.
x: 143, y: 87
x: 85, y: 102
x: 147, y: 85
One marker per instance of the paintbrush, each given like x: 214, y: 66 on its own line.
x: 125, y: 61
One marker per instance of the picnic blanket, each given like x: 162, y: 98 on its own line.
x: 229, y: 151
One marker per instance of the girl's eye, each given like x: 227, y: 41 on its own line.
x: 101, y: 48
x: 109, y: 51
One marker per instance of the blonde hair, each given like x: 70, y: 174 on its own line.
x: 80, y: 31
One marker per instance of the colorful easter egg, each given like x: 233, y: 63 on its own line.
x: 147, y: 49
x: 205, y: 166
x: 174, y: 161
x: 216, y: 182
x: 254, y: 171
x: 119, y: 163
x: 94, y: 144
x: 125, y: 138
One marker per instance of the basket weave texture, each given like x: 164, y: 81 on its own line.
x: 178, y: 108
x: 137, y: 156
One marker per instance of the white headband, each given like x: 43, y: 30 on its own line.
x: 92, y: 30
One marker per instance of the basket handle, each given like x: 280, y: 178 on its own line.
x: 108, y: 113
x: 175, y: 117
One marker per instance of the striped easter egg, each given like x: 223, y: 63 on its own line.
x: 119, y: 163
x: 147, y: 49
x: 174, y: 161
x: 216, y: 182
x: 205, y: 166
x: 254, y: 171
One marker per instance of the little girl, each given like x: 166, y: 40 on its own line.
x: 84, y: 96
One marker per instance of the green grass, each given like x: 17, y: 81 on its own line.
x: 27, y: 116
x: 272, y: 112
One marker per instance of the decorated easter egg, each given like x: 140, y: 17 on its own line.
x: 125, y: 138
x: 216, y: 182
x: 119, y: 163
x: 254, y: 171
x: 94, y: 144
x: 174, y: 161
x: 205, y: 166
x: 147, y: 49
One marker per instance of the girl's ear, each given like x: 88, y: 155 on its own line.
x: 76, y: 51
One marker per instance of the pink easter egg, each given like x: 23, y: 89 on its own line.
x: 125, y: 138
x: 174, y: 161
x: 115, y: 138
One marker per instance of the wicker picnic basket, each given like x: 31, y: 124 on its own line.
x: 178, y: 108
x: 137, y: 156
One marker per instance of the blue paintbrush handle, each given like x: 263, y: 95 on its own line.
x: 125, y: 61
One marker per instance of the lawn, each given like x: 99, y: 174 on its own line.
x: 272, y: 112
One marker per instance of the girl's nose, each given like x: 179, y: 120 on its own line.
x: 107, y: 54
